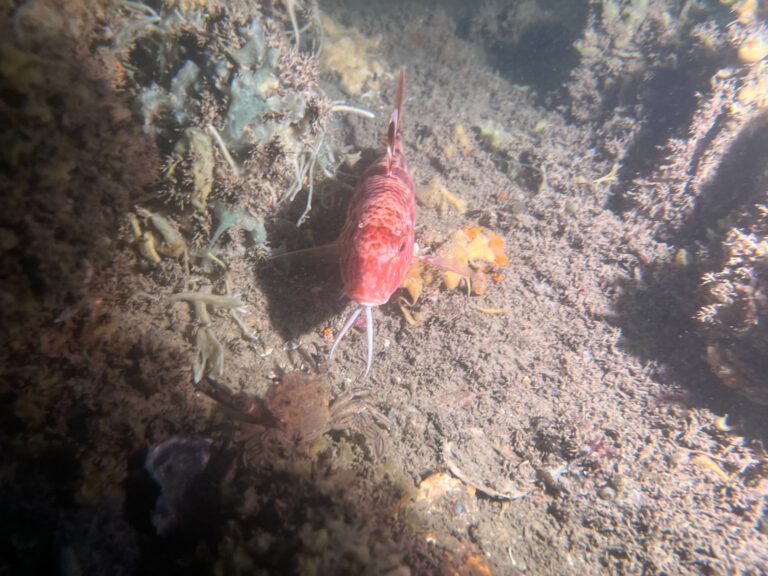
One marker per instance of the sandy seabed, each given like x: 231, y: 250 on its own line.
x: 563, y: 421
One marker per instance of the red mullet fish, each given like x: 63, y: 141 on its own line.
x: 376, y: 244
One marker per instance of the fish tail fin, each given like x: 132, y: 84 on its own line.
x: 396, y: 120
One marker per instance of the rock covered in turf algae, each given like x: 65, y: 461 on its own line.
x: 244, y: 81
x: 734, y: 311
x: 213, y: 79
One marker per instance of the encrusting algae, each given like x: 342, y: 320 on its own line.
x: 434, y: 194
x: 473, y: 254
x: 346, y: 52
x: 478, y: 248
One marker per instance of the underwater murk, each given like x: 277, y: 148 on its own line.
x: 539, y: 226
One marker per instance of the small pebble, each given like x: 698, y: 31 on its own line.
x: 678, y: 458
x: 607, y: 493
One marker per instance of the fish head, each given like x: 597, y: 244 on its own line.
x: 374, y: 261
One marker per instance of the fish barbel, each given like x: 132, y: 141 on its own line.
x: 376, y: 244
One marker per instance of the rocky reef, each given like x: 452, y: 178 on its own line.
x: 707, y: 198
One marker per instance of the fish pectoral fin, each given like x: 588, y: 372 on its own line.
x: 447, y: 264
x: 324, y: 251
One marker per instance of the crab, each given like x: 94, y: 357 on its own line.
x: 297, y: 409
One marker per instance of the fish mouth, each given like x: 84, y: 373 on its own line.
x: 368, y: 302
x: 370, y: 290
x: 368, y: 295
x: 365, y: 294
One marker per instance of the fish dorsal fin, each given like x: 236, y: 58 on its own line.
x: 391, y: 138
x: 399, y: 99
x: 395, y: 121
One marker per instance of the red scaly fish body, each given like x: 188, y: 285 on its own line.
x: 377, y: 242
